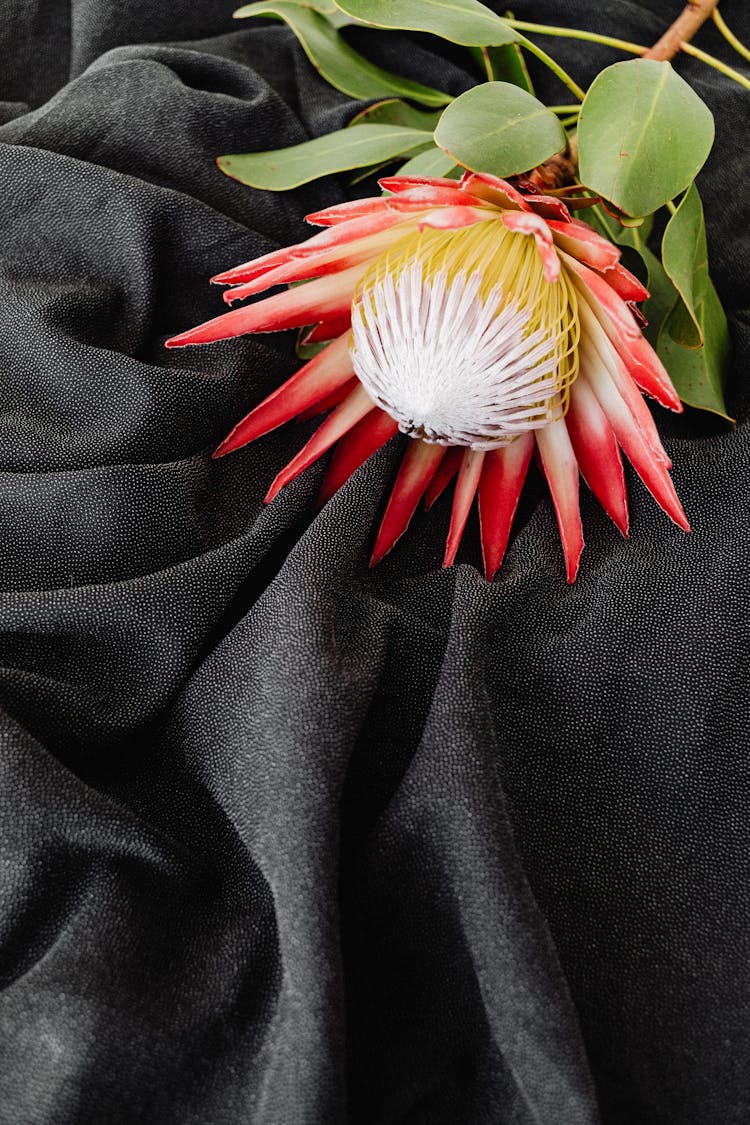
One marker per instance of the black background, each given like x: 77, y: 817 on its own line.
x: 283, y: 840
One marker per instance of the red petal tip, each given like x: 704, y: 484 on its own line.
x: 274, y: 490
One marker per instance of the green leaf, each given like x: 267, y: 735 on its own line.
x: 643, y: 134
x: 432, y: 162
x: 698, y: 373
x: 685, y: 257
x: 308, y: 351
x: 285, y: 168
x: 337, y: 62
x: 383, y: 166
x: 503, y: 64
x: 395, y: 112
x: 499, y: 128
x: 460, y: 21
x: 328, y: 9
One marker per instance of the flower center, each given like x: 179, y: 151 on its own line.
x: 458, y: 336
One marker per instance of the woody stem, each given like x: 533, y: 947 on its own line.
x: 692, y: 17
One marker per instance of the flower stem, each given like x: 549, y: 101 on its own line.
x: 556, y: 69
x: 730, y: 37
x: 632, y: 48
x: 709, y: 60
x: 576, y: 33
x: 564, y: 109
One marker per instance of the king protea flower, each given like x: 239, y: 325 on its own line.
x: 483, y: 323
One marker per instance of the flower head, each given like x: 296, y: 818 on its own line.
x: 482, y: 322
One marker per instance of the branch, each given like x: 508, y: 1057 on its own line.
x: 693, y: 16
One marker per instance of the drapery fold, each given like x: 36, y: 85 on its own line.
x: 282, y: 839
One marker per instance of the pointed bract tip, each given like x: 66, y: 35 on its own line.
x: 273, y: 491
x: 449, y: 557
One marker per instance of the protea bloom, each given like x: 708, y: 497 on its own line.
x: 483, y: 323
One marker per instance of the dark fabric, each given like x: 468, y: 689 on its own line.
x: 286, y: 841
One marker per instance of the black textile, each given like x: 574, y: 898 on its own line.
x: 283, y: 840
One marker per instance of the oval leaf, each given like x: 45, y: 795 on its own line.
x: 685, y: 257
x: 643, y: 134
x: 698, y: 373
x: 499, y: 128
x: 337, y: 62
x: 460, y: 21
x: 286, y: 168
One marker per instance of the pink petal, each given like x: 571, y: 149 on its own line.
x: 324, y: 240
x: 354, y: 448
x: 619, y: 324
x: 494, y: 190
x: 549, y: 207
x: 650, y: 469
x: 398, y: 184
x: 534, y: 225
x: 561, y: 470
x: 598, y: 344
x: 625, y: 284
x: 324, y: 298
x: 408, y: 202
x: 417, y: 469
x: 329, y: 370
x: 463, y: 498
x: 433, y: 193
x: 585, y: 244
x: 328, y: 329
x: 648, y: 372
x: 597, y: 452
x: 335, y: 260
x: 446, y: 471
x: 333, y: 399
x: 503, y: 474
x: 343, y: 418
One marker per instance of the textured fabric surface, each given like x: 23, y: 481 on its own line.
x: 286, y: 841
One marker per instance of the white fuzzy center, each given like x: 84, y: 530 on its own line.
x: 450, y: 367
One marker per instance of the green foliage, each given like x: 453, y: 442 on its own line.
x: 685, y: 257
x: 460, y: 21
x: 432, y: 162
x: 643, y: 135
x: 503, y: 64
x: 286, y: 168
x: 499, y: 128
x: 698, y: 373
x: 395, y: 112
x: 337, y: 62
